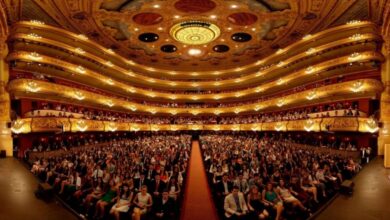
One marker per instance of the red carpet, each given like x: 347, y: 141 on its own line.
x: 198, y: 203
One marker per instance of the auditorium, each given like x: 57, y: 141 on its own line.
x: 194, y: 109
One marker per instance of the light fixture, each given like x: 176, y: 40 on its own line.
x: 17, y: 127
x: 311, y: 95
x: 173, y: 84
x: 217, y: 83
x: 133, y: 108
x: 213, y: 16
x: 110, y: 103
x: 195, y: 32
x: 237, y: 110
x: 354, y: 56
x: 110, y: 81
x: 238, y: 94
x: 80, y: 69
x: 310, y: 51
x: 151, y: 94
x: 216, y: 97
x: 354, y: 22
x: 173, y: 97
x: 357, y: 86
x: 194, y: 84
x: 280, y: 64
x: 217, y: 112
x: 356, y: 37
x: 257, y: 108
x: 131, y: 73
x: 79, y: 95
x: 132, y: 90
x: 176, y: 16
x: 79, y: 50
x: 194, y: 112
x: 309, y: 70
x: 81, y: 125
x: 153, y: 111
x: 194, y: 52
x: 306, y: 37
x: 238, y: 80
x: 37, y: 22
x: 372, y: 125
x: 82, y: 36
x: 280, y: 103
x: 151, y: 80
x: 279, y: 51
x: 156, y: 6
x: 173, y: 112
x: 233, y: 6
x: 194, y: 97
x: 34, y: 35
x: 109, y: 50
x: 258, y: 89
x: 35, y: 56
x: 160, y: 28
x: 280, y: 81
x: 308, y: 125
x: 172, y: 72
x: 278, y: 126
x: 109, y: 63
x: 194, y: 74
x: 32, y: 86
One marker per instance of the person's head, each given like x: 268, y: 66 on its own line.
x: 144, y: 189
x: 282, y: 183
x: 225, y: 177
x: 269, y: 186
x: 165, y: 195
x: 254, y: 189
x: 235, y: 190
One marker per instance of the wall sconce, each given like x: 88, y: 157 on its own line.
x: 110, y: 103
x: 354, y: 22
x: 311, y: 95
x: 79, y: 95
x: 357, y: 86
x: 110, y: 81
x: 80, y: 69
x: 280, y: 64
x: 237, y: 110
x: 279, y: 82
x: 308, y: 125
x: 37, y: 22
x: 309, y: 70
x: 354, y: 56
x: 81, y: 125
x: 310, y: 51
x: 17, y: 127
x: 133, y: 108
x: 79, y: 50
x: 280, y: 103
x: 32, y: 86
x: 109, y: 63
x: 356, y: 37
x: 278, y: 126
x: 35, y: 56
x: 153, y: 111
x: 34, y: 36
x: 82, y: 36
x: 372, y: 125
x: 306, y: 37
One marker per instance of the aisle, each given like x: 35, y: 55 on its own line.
x: 198, y: 203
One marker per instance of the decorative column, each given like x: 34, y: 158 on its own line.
x: 384, y: 132
x: 6, y: 142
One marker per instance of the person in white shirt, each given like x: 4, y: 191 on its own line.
x: 235, y: 205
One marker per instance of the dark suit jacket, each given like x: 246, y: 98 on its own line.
x: 138, y: 184
x: 167, y: 208
x: 161, y: 187
x: 220, y: 188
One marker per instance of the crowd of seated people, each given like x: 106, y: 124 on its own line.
x: 130, y: 178
x: 256, y: 177
x: 334, y: 109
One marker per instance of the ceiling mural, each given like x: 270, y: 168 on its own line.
x: 194, y: 35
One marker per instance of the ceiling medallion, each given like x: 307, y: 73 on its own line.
x: 195, y: 32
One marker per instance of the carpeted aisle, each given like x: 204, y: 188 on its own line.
x: 198, y: 203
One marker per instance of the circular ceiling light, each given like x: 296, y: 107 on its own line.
x: 195, y: 32
x: 194, y: 52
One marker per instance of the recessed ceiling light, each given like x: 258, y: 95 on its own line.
x: 194, y: 52
x: 136, y: 29
x: 229, y: 28
x: 234, y: 6
x: 156, y: 6
x: 176, y: 16
x: 253, y: 29
x: 160, y: 28
x: 213, y: 16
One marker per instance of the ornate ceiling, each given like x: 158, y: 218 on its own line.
x: 195, y: 35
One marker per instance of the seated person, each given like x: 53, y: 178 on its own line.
x: 272, y: 199
x: 107, y: 198
x: 164, y: 206
x: 235, y: 205
x: 287, y: 196
x: 255, y: 203
x: 143, y: 201
x: 123, y: 202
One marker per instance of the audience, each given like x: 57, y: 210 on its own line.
x: 137, y: 176
x: 255, y: 177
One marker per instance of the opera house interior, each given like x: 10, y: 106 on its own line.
x: 195, y: 109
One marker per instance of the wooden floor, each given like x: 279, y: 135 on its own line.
x: 17, y: 199
x: 198, y: 203
x: 370, y: 200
